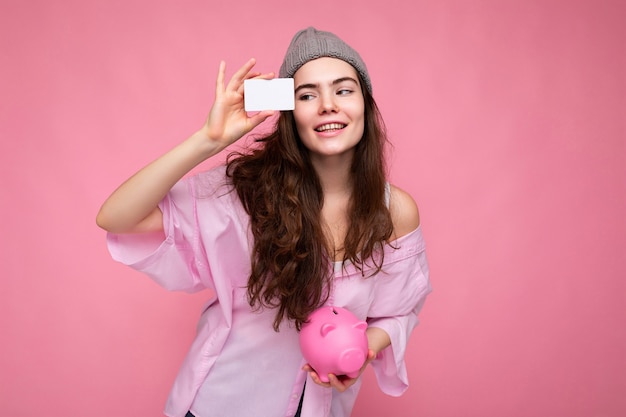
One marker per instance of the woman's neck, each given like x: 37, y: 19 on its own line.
x: 334, y: 174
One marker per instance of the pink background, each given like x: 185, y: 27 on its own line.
x: 508, y: 119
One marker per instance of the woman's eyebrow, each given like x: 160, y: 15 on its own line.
x: 335, y: 82
x: 301, y: 86
x: 340, y: 80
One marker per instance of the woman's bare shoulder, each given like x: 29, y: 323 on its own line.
x: 404, y: 212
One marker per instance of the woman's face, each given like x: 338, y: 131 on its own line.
x: 329, y: 107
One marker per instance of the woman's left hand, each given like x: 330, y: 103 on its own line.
x: 339, y: 382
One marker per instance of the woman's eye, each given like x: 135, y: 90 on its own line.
x: 305, y: 97
x: 344, y: 91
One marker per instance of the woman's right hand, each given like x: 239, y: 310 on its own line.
x: 228, y: 121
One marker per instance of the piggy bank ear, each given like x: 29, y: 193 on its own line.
x: 326, y: 328
x: 360, y: 325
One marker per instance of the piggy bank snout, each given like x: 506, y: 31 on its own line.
x: 351, y: 360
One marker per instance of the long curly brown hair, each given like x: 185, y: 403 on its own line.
x: 278, y: 187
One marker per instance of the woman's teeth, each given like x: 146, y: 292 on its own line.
x: 330, y: 126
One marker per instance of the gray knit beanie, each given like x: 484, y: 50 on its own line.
x: 310, y: 44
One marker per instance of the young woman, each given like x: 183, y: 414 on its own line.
x: 305, y: 219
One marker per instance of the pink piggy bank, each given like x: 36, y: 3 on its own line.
x: 333, y: 341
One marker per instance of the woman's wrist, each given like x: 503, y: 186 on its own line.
x: 203, y: 146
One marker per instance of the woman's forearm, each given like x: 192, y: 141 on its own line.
x: 133, y: 206
x: 377, y: 339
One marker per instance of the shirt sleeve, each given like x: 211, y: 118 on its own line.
x: 170, y: 259
x: 399, y: 296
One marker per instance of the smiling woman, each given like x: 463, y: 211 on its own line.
x: 329, y: 111
x: 326, y: 228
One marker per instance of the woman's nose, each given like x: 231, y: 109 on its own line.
x: 328, y: 104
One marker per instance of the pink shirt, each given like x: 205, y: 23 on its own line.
x: 238, y: 365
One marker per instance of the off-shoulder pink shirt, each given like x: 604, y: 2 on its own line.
x: 238, y: 365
